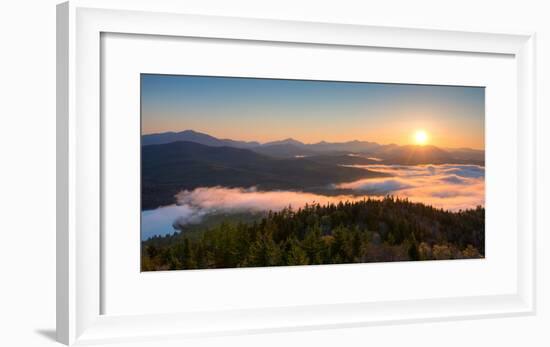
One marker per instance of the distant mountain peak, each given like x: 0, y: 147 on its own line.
x: 192, y: 136
x: 287, y: 141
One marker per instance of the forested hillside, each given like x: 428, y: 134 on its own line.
x: 170, y: 168
x: 366, y: 231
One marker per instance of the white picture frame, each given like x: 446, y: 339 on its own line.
x: 79, y: 189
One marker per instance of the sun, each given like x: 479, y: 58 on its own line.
x: 421, y: 137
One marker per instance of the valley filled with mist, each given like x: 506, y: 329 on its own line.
x: 215, y: 203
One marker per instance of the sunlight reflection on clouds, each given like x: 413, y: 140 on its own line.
x: 447, y: 186
x: 451, y: 187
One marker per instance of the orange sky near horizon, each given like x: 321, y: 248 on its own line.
x: 400, y: 133
x: 311, y: 111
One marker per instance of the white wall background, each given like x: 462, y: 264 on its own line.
x: 27, y: 165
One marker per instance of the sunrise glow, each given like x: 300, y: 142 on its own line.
x: 257, y: 172
x: 267, y: 110
x: 420, y: 137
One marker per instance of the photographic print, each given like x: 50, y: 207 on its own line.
x: 255, y: 172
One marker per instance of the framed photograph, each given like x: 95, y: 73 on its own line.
x: 223, y: 175
x: 381, y: 173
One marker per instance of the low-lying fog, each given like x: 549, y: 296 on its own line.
x: 452, y: 187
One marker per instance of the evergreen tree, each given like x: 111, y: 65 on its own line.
x: 347, y: 232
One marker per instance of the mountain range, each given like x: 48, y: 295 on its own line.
x: 360, y: 151
x: 172, y: 162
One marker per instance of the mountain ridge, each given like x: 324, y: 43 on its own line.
x: 288, y: 140
x: 170, y: 168
x: 193, y: 136
x: 292, y: 148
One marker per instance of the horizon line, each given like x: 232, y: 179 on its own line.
x: 306, y: 143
